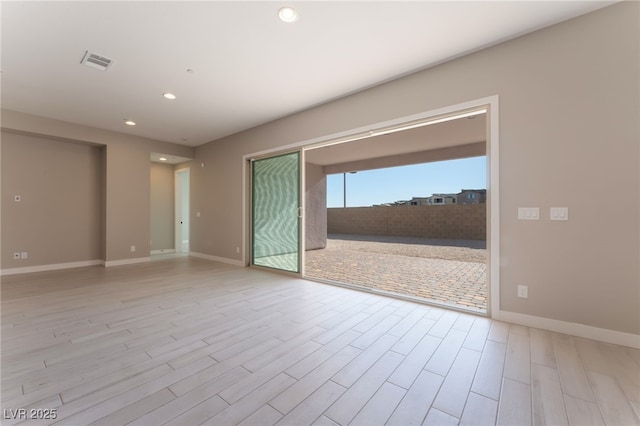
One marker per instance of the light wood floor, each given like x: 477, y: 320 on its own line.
x: 186, y: 341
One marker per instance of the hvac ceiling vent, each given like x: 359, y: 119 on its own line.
x: 96, y: 61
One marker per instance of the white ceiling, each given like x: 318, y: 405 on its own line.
x: 249, y: 68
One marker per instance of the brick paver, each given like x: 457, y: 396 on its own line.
x: 446, y: 271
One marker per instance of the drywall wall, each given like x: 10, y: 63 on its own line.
x: 568, y: 133
x: 162, y: 207
x: 126, y: 189
x: 59, y: 217
x: 127, y: 204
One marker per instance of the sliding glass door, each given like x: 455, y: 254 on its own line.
x: 276, y: 208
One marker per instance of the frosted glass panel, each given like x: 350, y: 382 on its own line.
x: 276, y: 226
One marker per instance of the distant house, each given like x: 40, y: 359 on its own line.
x: 472, y: 196
x: 440, y: 199
x: 465, y: 196
x: 418, y: 201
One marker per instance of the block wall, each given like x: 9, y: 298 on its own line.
x: 452, y: 221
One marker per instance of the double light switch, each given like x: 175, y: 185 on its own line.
x: 529, y: 213
x: 559, y: 213
x: 533, y: 213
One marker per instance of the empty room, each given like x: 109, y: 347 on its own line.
x: 159, y: 196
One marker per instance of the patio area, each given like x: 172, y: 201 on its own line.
x: 451, y: 272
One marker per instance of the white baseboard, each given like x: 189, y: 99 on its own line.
x: 217, y: 258
x: 574, y: 329
x: 51, y: 267
x: 121, y: 262
x: 163, y: 251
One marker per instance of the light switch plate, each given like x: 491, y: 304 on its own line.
x: 529, y: 213
x: 559, y: 213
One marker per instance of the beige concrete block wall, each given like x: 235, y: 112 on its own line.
x: 463, y: 222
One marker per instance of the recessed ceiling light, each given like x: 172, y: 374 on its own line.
x: 129, y: 122
x: 169, y: 96
x: 162, y: 159
x: 288, y: 14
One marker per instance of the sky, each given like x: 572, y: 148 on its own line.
x: 381, y: 186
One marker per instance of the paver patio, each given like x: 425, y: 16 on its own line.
x: 446, y: 271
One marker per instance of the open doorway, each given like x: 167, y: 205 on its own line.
x: 430, y: 244
x: 182, y: 182
x: 169, y: 203
x: 321, y: 160
x: 408, y: 231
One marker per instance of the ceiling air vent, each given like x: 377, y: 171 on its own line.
x: 96, y: 61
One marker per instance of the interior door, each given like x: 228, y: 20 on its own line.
x: 276, y: 212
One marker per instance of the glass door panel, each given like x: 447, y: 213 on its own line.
x: 275, y: 212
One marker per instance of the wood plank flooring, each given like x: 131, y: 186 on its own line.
x: 186, y: 341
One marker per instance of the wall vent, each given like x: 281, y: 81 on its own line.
x: 96, y: 61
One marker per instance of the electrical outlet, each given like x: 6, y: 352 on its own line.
x: 16, y: 255
x: 523, y: 291
x: 24, y: 255
x: 237, y: 249
x: 133, y: 248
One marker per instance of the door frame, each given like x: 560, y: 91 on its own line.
x: 491, y: 103
x: 179, y: 203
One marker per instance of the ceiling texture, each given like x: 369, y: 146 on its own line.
x: 234, y: 65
